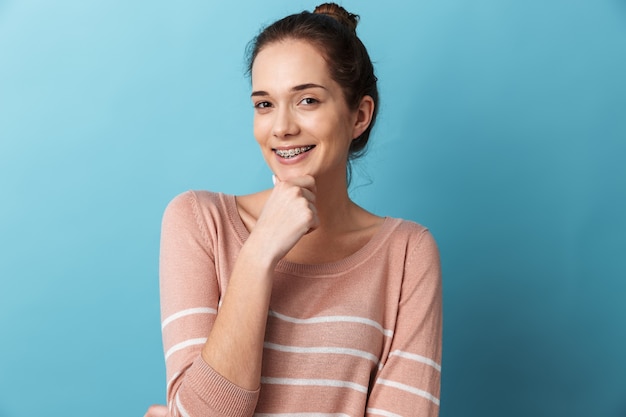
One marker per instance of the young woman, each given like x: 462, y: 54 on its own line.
x: 295, y: 300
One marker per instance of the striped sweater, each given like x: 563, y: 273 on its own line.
x: 357, y: 337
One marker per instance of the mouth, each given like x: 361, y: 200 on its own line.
x: 293, y: 152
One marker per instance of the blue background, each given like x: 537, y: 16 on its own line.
x: 502, y: 128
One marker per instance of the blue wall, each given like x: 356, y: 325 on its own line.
x: 503, y: 128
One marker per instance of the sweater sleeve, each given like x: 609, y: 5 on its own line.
x: 190, y: 294
x: 409, y: 382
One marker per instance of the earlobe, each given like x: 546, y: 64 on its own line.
x: 363, y: 116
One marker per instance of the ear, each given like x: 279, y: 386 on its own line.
x: 363, y: 116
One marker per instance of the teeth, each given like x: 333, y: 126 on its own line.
x: 290, y: 153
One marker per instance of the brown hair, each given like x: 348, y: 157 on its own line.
x: 332, y: 29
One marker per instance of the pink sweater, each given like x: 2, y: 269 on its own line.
x: 358, y: 337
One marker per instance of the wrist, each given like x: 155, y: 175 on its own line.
x: 259, y: 254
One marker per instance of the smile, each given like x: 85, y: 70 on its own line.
x: 290, y: 153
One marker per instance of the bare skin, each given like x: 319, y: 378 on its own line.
x: 156, y: 410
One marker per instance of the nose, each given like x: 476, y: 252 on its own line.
x: 285, y: 123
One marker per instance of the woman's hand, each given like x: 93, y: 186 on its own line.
x: 289, y: 213
x: 156, y: 411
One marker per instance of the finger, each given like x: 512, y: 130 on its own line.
x: 156, y: 411
x: 313, y: 209
x: 308, y: 195
x: 304, y: 181
x: 315, y: 221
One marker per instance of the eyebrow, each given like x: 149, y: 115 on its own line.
x: 300, y: 87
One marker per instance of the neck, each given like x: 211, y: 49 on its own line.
x: 334, y: 207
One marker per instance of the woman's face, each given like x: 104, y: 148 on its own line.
x: 301, y: 119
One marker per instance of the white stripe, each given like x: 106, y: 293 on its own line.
x: 171, y: 381
x: 331, y: 319
x: 301, y: 415
x: 187, y: 312
x: 314, y: 382
x: 323, y: 349
x: 182, y: 410
x: 185, y: 344
x: 416, y: 358
x: 410, y: 389
x: 380, y: 412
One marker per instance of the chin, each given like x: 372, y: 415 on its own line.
x: 287, y: 175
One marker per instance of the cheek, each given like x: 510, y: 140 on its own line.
x: 260, y: 129
x: 322, y: 125
x: 339, y: 131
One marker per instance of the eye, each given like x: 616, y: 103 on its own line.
x: 262, y: 105
x: 309, y: 101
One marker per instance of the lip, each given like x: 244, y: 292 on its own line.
x: 286, y: 148
x: 294, y: 159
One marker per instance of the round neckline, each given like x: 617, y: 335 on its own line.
x: 308, y: 270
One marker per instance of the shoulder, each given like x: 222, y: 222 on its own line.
x: 192, y: 198
x: 410, y: 231
x: 420, y: 264
x: 417, y: 240
x: 196, y: 206
x: 194, y: 201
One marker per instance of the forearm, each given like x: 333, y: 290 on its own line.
x: 234, y: 347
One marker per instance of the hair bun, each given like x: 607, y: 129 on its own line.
x: 338, y: 13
